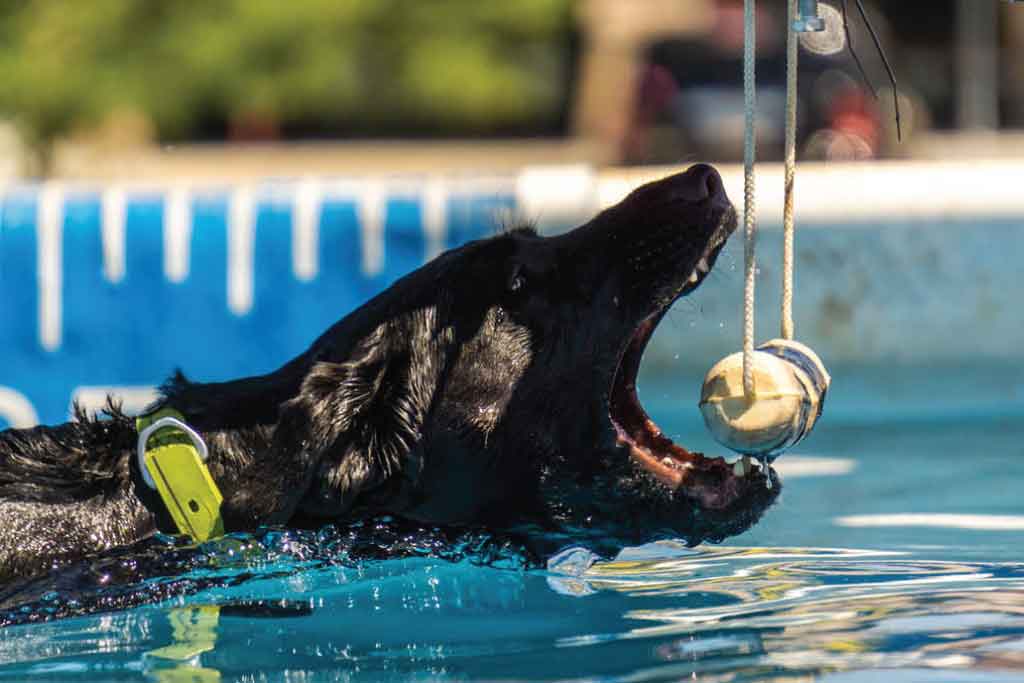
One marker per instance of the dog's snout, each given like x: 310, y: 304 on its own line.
x: 702, y: 182
x: 713, y: 183
x: 707, y: 181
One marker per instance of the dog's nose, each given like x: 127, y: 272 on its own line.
x: 701, y: 182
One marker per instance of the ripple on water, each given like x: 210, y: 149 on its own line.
x: 293, y: 606
x: 806, y: 611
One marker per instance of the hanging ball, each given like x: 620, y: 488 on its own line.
x: 790, y: 383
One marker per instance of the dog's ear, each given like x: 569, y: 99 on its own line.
x: 353, y: 425
x: 363, y: 415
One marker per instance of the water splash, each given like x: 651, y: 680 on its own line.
x: 166, y: 568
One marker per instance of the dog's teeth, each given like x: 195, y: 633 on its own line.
x: 742, y: 466
x: 667, y: 461
x: 703, y: 264
x: 694, y: 277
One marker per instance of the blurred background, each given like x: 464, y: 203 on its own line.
x: 210, y: 185
x: 115, y: 88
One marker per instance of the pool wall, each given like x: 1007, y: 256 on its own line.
x: 110, y: 288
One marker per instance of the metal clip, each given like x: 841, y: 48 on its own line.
x: 807, y: 19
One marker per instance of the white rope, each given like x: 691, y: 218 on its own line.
x: 749, y: 219
x: 790, y: 174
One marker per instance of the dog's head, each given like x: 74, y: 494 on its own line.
x: 497, y: 383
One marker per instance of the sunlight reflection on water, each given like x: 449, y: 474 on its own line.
x: 658, y: 612
x: 778, y: 612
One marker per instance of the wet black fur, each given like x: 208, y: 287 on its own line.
x: 474, y: 391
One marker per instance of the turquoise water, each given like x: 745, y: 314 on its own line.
x: 895, y: 553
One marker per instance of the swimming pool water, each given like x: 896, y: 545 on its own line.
x: 837, y: 583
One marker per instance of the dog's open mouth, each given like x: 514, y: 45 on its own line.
x: 714, y: 483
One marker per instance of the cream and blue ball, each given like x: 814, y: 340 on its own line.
x: 790, y: 384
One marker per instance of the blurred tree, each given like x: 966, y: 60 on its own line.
x: 260, y: 67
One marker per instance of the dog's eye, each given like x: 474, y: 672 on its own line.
x: 517, y: 280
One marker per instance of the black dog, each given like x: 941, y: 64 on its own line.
x: 494, y: 386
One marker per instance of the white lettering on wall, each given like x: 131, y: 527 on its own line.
x: 16, y: 409
x: 50, y: 223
